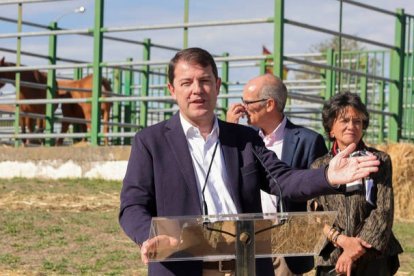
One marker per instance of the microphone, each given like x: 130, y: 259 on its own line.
x: 279, y: 191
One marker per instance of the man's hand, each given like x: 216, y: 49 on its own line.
x: 158, y: 247
x: 344, y: 169
x: 235, y: 112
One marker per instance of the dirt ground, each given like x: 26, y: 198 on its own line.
x: 60, y: 202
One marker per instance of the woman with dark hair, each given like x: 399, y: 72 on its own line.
x: 361, y: 241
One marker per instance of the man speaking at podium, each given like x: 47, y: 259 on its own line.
x: 194, y: 160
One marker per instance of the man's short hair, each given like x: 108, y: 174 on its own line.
x: 193, y: 56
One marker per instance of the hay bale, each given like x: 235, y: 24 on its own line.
x: 402, y: 156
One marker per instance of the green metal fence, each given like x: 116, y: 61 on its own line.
x: 384, y: 78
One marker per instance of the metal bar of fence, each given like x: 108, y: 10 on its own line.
x: 25, y: 83
x: 116, y: 64
x: 287, y: 82
x: 44, y: 86
x: 44, y: 135
x: 154, y: 86
x: 323, y: 30
x: 306, y: 55
x: 118, y: 134
x: 45, y: 101
x: 31, y: 24
x: 149, y: 98
x: 307, y: 111
x: 165, y: 62
x: 362, y: 5
x: 24, y: 114
x: 306, y: 87
x: 44, y: 67
x: 317, y: 73
x: 69, y: 119
x: 188, y: 25
x: 113, y: 38
x: 340, y: 69
x: 8, y: 2
x: 136, y: 70
x: 40, y: 56
x: 46, y: 33
x: 85, y: 100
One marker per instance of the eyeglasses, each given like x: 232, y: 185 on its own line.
x: 246, y: 103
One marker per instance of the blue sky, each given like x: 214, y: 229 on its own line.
x: 237, y: 40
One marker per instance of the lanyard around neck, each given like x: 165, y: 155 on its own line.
x: 209, y: 167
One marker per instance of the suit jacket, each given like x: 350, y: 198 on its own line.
x: 301, y: 146
x: 160, y: 181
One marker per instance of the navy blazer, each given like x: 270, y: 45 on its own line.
x: 301, y: 146
x: 160, y: 181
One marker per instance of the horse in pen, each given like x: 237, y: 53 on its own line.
x: 29, y: 92
x: 78, y: 89
x: 64, y: 89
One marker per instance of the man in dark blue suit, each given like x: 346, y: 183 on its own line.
x: 169, y: 163
x: 263, y: 103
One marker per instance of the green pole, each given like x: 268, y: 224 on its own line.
x: 397, y: 74
x: 17, y: 79
x: 51, y: 83
x: 330, y: 82
x: 364, y: 83
x: 167, y: 115
x: 224, y: 103
x: 381, y: 123
x: 410, y: 101
x: 97, y: 72
x: 186, y: 18
x: 262, y: 67
x: 329, y: 75
x: 116, y: 110
x: 278, y: 39
x: 143, y: 107
x: 77, y: 73
x: 409, y: 81
x: 340, y: 45
x: 128, y: 81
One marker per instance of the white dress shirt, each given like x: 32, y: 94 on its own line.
x: 216, y: 194
x: 274, y: 142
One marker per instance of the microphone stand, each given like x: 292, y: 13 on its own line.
x: 204, y: 209
x: 280, y: 203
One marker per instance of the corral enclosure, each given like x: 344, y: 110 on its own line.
x: 131, y: 48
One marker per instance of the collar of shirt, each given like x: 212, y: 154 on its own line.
x: 192, y: 132
x: 276, y: 135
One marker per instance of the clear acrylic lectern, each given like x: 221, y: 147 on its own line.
x: 243, y: 237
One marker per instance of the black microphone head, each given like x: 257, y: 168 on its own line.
x: 205, y: 210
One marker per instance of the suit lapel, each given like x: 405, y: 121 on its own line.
x: 290, y: 141
x: 178, y: 145
x: 231, y: 161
